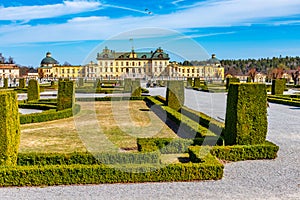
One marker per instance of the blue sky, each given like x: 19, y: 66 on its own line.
x: 74, y: 30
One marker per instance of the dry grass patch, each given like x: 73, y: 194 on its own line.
x: 100, y: 126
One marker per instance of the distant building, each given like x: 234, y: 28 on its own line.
x: 209, y: 70
x: 8, y: 69
x: 50, y: 69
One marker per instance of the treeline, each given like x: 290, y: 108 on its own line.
x: 263, y: 65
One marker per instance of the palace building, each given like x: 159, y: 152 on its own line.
x: 114, y: 65
x: 145, y: 65
x: 148, y: 65
x: 50, y: 69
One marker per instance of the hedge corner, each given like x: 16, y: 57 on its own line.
x: 246, y: 114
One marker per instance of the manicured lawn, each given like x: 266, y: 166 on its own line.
x: 100, y: 126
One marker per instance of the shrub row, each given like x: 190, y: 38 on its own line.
x: 204, y: 120
x: 267, y: 150
x: 41, y: 159
x: 284, y: 101
x: 173, y: 145
x: 164, y: 145
x: 111, y: 98
x: 185, y: 123
x: 199, y: 154
x: 210, y: 169
x: 49, y: 115
x: 99, y: 90
x: 38, y: 106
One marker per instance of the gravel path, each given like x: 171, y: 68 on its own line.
x: 262, y: 179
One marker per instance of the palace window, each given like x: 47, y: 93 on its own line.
x: 127, y: 63
x: 121, y: 63
x: 117, y: 63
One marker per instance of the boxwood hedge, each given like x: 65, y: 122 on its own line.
x: 246, y: 114
x: 231, y: 80
x: 66, y: 95
x: 210, y: 169
x: 22, y: 83
x: 28, y: 159
x: 49, y: 115
x: 9, y: 128
x: 266, y: 150
x: 173, y: 145
x: 175, y: 94
x: 33, y: 92
x: 278, y: 86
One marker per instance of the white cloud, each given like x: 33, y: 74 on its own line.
x: 212, y: 14
x: 47, y: 11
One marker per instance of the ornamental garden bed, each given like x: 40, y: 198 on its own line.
x: 118, y: 141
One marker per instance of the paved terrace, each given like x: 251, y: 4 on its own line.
x: 261, y: 179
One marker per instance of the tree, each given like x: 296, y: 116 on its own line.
x: 252, y: 73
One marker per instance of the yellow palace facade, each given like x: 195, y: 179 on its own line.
x: 119, y: 65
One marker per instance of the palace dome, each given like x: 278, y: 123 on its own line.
x: 48, y: 60
x: 213, y: 60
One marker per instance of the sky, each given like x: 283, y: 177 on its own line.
x: 75, y: 30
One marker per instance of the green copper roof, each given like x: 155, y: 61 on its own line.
x: 48, y: 60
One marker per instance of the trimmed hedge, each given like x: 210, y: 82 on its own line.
x: 173, y: 145
x: 175, y: 94
x: 231, y: 80
x: 22, y: 83
x: 187, y: 127
x: 38, y: 106
x: 136, y: 90
x: 66, y: 95
x: 33, y: 92
x: 111, y: 98
x: 210, y: 169
x: 197, y: 82
x: 80, y: 82
x: 285, y: 101
x: 278, y: 86
x: 189, y: 82
x: 246, y: 114
x: 9, y: 128
x: 127, y: 85
x: 266, y: 150
x: 5, y: 83
x: 42, y: 159
x: 204, y: 120
x: 49, y: 115
x: 164, y: 145
x: 186, y: 124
